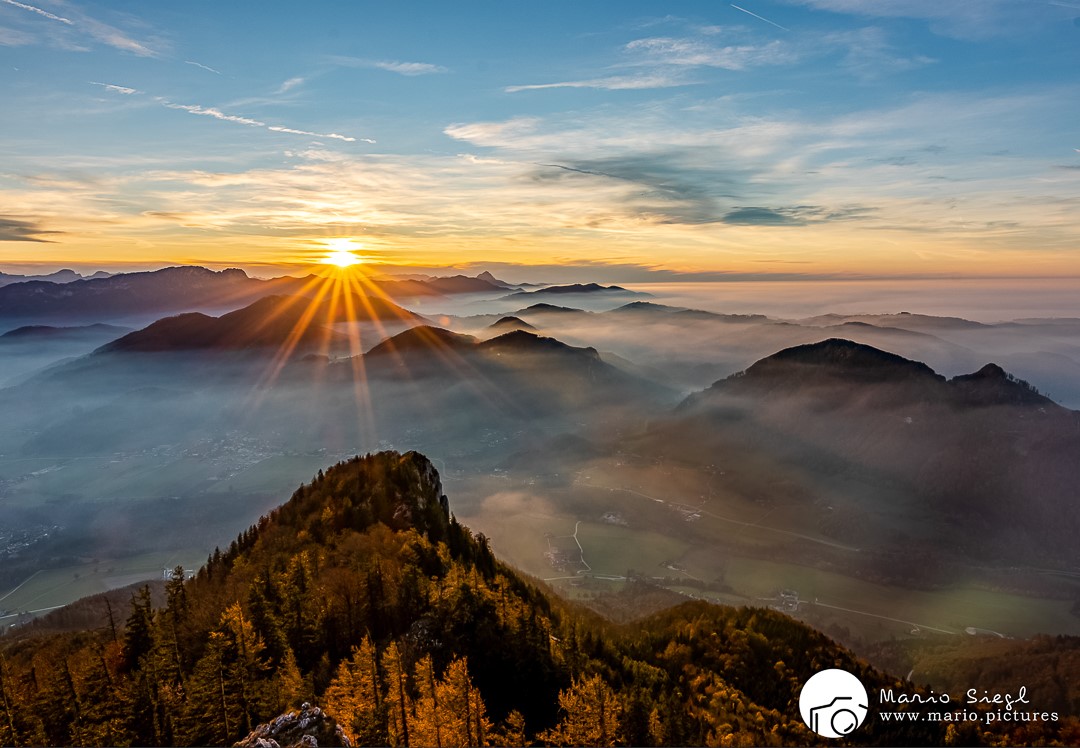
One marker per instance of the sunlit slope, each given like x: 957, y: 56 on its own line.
x: 367, y: 564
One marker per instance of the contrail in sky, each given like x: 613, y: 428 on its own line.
x: 755, y: 15
x: 40, y: 12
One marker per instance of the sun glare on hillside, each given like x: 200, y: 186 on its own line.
x: 342, y: 253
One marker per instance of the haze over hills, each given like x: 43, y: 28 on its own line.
x: 271, y: 322
x: 190, y: 288
x: 576, y: 290
x: 983, y: 452
x: 60, y: 276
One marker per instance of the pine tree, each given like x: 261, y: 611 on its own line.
x: 427, y: 728
x: 590, y: 714
x: 465, y: 716
x: 355, y: 697
x: 398, y: 703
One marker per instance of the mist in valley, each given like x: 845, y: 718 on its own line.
x: 583, y: 460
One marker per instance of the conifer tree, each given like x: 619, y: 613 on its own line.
x: 355, y: 697
x: 590, y: 714
x: 427, y: 728
x: 398, y: 703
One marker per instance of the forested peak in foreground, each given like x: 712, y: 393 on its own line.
x: 364, y: 595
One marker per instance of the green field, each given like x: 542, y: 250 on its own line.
x: 55, y: 587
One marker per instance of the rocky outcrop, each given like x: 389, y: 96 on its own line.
x: 310, y: 728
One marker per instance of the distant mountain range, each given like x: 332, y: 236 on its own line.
x: 187, y: 288
x: 576, y: 289
x: 60, y: 276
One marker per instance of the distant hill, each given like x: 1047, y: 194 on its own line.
x: 837, y: 364
x: 544, y: 308
x: 507, y: 324
x: 851, y: 424
x: 363, y: 594
x: 576, y: 289
x: 489, y: 278
x: 903, y: 319
x: 431, y: 286
x: 31, y: 333
x: 60, y: 276
x: 423, y: 339
x: 433, y: 341
x: 270, y: 322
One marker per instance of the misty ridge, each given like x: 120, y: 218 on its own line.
x: 897, y: 470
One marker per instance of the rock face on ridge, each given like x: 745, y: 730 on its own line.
x: 310, y: 728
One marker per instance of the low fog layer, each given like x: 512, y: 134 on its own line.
x: 561, y: 435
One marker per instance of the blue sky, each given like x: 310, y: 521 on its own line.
x: 821, y: 136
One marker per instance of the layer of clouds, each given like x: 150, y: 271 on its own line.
x: 15, y: 230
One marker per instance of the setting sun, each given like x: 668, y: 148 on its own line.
x: 341, y: 253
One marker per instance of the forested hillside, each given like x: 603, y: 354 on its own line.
x: 364, y: 595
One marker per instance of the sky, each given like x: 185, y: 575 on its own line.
x: 782, y: 138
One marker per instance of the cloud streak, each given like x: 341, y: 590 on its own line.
x: 392, y: 66
x: 117, y: 89
x: 760, y: 18
x: 409, y: 68
x: 201, y: 66
x: 15, y: 230
x: 611, y: 83
x: 40, y: 12
x: 215, y: 113
x: 289, y: 85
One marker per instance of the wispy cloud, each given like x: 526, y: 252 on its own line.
x: 80, y: 23
x: 967, y: 20
x: 117, y: 89
x: 663, y: 61
x: 409, y: 68
x: 290, y: 84
x: 203, y: 67
x: 611, y: 83
x: 40, y: 12
x: 393, y: 66
x: 869, y: 54
x: 795, y: 215
x: 699, y: 53
x: 13, y: 38
x: 15, y: 230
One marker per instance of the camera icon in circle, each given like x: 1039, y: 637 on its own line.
x: 833, y: 703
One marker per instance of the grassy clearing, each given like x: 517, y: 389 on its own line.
x: 55, y: 587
